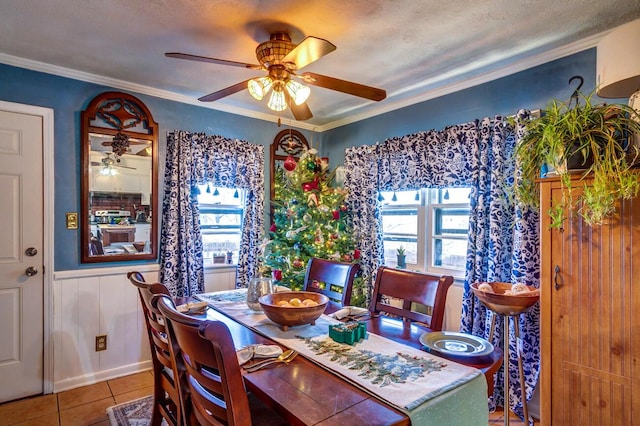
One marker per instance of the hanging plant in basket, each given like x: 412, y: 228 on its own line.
x: 590, y: 140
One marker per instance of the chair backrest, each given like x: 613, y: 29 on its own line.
x: 166, y: 392
x: 95, y: 246
x: 411, y: 288
x: 331, y: 278
x: 206, y: 352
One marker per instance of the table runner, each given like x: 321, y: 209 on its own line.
x: 405, y: 377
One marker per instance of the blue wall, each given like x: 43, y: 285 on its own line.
x: 531, y: 89
x: 68, y: 97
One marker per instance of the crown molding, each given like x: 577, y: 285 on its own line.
x: 134, y: 87
x: 530, y: 62
x: 518, y: 66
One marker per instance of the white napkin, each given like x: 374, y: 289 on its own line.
x: 192, y: 307
x: 349, y: 311
x: 258, y: 351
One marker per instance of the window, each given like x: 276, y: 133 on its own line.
x: 431, y: 224
x: 221, y: 212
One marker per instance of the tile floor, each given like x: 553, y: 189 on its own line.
x: 87, y: 405
x: 77, y: 407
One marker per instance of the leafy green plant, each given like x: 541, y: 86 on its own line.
x: 401, y: 251
x: 598, y: 136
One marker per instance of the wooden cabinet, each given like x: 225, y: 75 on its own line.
x: 117, y: 234
x: 132, y: 176
x: 143, y: 232
x: 590, y: 318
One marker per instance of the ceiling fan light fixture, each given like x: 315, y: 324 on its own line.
x: 299, y: 93
x: 108, y: 170
x: 277, y: 102
x: 258, y: 87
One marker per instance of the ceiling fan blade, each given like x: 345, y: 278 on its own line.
x: 344, y: 86
x: 309, y: 50
x: 224, y: 92
x: 189, y: 57
x: 300, y: 112
x: 144, y: 152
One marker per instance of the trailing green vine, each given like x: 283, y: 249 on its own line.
x: 600, y: 137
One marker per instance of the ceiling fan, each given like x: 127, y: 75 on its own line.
x: 121, y: 143
x: 282, y: 60
x: 110, y: 163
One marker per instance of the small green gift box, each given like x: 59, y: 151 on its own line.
x: 349, y: 332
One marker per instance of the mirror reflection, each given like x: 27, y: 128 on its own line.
x: 120, y: 197
x: 120, y: 182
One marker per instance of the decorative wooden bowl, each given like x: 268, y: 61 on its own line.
x: 506, y: 304
x: 139, y: 246
x: 289, y: 316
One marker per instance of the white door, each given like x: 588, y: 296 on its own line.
x: 21, y: 257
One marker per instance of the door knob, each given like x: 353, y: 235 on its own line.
x: 31, y: 271
x: 31, y: 251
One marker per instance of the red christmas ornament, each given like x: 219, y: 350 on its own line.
x: 308, y: 186
x: 343, y: 208
x: 336, y: 215
x: 272, y: 228
x: 297, y: 263
x: 356, y: 254
x: 277, y: 274
x: 290, y: 163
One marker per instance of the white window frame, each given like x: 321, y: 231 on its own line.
x: 426, y: 234
x: 217, y: 207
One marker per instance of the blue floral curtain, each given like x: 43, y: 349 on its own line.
x: 503, y: 241
x: 433, y: 159
x: 503, y: 246
x: 195, y: 159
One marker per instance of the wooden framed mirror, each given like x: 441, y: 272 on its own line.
x: 288, y: 142
x: 119, y: 180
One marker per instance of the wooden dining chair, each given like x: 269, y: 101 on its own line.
x: 212, y: 390
x: 331, y: 278
x: 408, y: 289
x: 166, y: 398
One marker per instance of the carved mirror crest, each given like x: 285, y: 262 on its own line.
x: 119, y: 180
x: 287, y: 143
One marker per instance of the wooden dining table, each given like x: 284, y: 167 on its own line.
x: 305, y: 393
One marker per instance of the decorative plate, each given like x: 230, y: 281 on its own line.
x: 456, y: 344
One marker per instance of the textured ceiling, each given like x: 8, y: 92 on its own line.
x: 412, y: 49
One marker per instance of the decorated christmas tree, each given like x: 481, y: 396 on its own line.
x: 309, y: 219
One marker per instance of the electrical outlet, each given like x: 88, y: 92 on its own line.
x: 101, y: 343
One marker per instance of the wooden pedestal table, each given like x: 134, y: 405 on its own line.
x: 510, y: 306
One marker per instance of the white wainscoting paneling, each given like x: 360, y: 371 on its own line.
x: 88, y: 303
x: 453, y: 309
x: 219, y: 278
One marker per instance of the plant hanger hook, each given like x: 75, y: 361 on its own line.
x: 576, y: 93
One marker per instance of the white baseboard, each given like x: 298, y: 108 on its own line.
x: 100, y: 376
